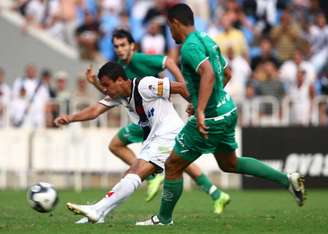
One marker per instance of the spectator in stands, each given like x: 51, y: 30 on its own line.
x: 241, y: 72
x: 70, y: 12
x: 319, y: 43
x: 323, y: 82
x: 35, y: 13
x: 5, y: 98
x: 20, y: 6
x: 30, y: 97
x: 323, y: 90
x: 158, y: 11
x: 63, y: 95
x: 200, y: 9
x: 82, y: 97
x: 266, y: 54
x: 265, y: 14
x: 82, y: 90
x: 288, y: 70
x: 286, y: 36
x: 50, y: 109
x: 231, y: 37
x: 301, y: 95
x: 87, y: 36
x: 45, y: 14
x: 153, y: 42
x: 269, y: 86
x: 114, y: 6
x: 46, y: 78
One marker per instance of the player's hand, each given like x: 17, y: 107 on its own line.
x: 90, y: 75
x: 190, y: 109
x: 62, y: 120
x: 202, y: 128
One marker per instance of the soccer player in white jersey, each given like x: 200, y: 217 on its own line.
x: 147, y: 101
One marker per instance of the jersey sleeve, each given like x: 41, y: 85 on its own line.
x: 224, y: 62
x: 151, y: 87
x: 193, y: 56
x: 109, y: 102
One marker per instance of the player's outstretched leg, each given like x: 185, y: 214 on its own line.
x: 119, y: 147
x: 296, y: 187
x: 172, y: 190
x: 220, y: 198
x: 154, y: 184
x: 120, y: 192
x: 229, y: 162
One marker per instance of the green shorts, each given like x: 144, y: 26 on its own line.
x: 132, y: 133
x: 190, y: 144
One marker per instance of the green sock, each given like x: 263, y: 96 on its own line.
x: 254, y: 167
x: 206, y: 185
x: 150, y: 177
x: 172, y: 191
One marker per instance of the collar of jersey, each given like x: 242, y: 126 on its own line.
x: 190, y: 35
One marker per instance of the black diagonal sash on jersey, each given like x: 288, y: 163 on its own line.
x: 143, y: 119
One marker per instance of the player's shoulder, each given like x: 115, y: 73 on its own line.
x: 138, y: 56
x: 194, y: 41
x: 110, y: 102
x: 147, y: 80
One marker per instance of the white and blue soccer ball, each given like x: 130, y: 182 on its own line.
x: 42, y: 197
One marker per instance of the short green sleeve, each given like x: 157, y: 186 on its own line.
x: 193, y: 55
x: 223, y: 61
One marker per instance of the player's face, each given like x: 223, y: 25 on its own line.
x: 174, y: 28
x: 123, y: 48
x: 112, y: 88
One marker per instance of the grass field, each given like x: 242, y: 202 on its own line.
x: 249, y: 212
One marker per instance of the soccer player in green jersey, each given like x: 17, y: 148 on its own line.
x: 212, y: 128
x: 139, y: 65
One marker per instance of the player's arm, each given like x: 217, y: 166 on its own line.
x: 227, y: 75
x: 87, y: 113
x: 179, y: 88
x: 153, y: 88
x: 173, y: 68
x: 207, y: 79
x: 92, y: 79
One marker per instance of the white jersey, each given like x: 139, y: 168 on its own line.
x: 163, y: 119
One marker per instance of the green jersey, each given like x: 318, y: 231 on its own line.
x: 142, y: 65
x: 197, y: 48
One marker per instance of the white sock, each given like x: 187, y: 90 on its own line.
x: 121, y: 191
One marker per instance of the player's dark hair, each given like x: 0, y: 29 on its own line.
x: 46, y: 72
x: 122, y: 33
x: 182, y: 13
x: 112, y: 71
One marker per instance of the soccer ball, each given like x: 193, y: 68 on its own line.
x: 42, y: 197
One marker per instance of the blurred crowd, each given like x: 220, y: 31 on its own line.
x: 277, y: 49
x: 39, y: 96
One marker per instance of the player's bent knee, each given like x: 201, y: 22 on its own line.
x: 115, y: 144
x: 172, y: 170
x: 228, y: 166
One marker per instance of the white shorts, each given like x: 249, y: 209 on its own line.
x: 157, y: 151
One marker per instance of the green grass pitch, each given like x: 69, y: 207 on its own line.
x: 271, y: 211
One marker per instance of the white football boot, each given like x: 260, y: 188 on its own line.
x: 152, y: 221
x: 296, y: 187
x: 86, y: 210
x: 85, y: 220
